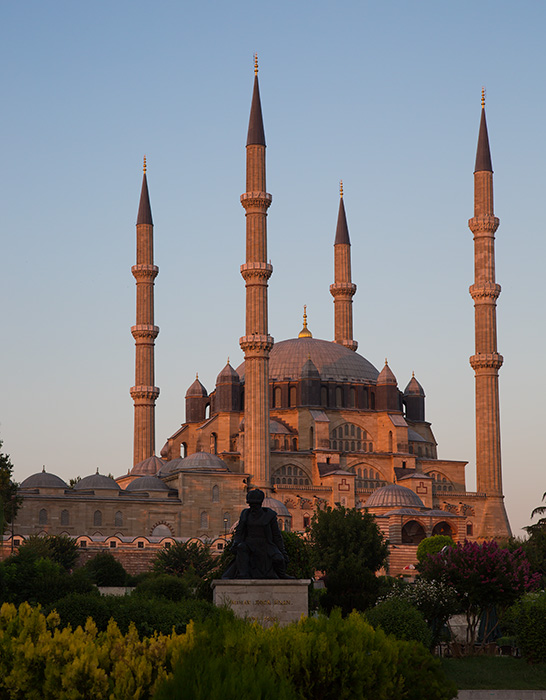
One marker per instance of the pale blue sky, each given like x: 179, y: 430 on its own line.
x: 384, y: 95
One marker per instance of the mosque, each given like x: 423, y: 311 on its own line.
x: 310, y: 421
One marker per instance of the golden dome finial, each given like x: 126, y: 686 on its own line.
x: 413, y: 375
x: 228, y: 359
x: 197, y: 375
x: 305, y: 332
x: 144, y: 166
x: 255, y: 64
x: 483, y: 97
x: 386, y: 361
x: 341, y: 188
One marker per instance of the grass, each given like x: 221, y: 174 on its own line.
x: 495, y: 673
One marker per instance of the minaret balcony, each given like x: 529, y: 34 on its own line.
x: 485, y: 293
x: 486, y: 361
x: 483, y: 225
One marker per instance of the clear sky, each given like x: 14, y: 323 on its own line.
x: 384, y: 95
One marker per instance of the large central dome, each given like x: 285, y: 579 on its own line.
x: 334, y: 362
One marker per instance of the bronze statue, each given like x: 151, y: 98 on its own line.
x: 257, y: 543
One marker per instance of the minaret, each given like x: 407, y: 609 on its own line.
x: 343, y: 289
x: 486, y: 361
x: 144, y: 393
x: 256, y: 343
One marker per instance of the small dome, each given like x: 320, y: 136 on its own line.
x: 148, y: 467
x: 228, y: 376
x: 394, y: 496
x: 95, y: 482
x: 147, y: 483
x: 386, y: 376
x: 196, y: 389
x: 277, y: 506
x: 414, y: 388
x: 43, y: 480
x: 198, y: 460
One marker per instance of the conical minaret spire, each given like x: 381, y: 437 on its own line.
x: 486, y: 361
x: 256, y: 343
x: 343, y: 289
x: 144, y: 393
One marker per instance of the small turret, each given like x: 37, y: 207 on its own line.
x: 414, y: 399
x: 228, y: 390
x: 197, y: 400
x: 387, y: 396
x: 310, y: 384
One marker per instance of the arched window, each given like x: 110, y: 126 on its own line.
x: 97, y: 518
x: 413, y: 533
x: 65, y: 517
x: 204, y: 520
x: 339, y: 397
x: 324, y: 396
x: 354, y: 398
x: 292, y: 396
x: 294, y: 444
x: 311, y: 438
x: 442, y: 528
x: 183, y: 449
x: 118, y: 519
x: 215, y: 493
x: 207, y: 411
x: 42, y: 517
x: 278, y: 397
x: 372, y: 400
x: 306, y: 520
x: 213, y: 444
x: 390, y: 440
x: 161, y: 530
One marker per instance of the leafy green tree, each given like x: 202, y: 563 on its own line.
x: 61, y: 549
x: 183, y: 557
x: 487, y: 578
x: 300, y: 563
x: 539, y: 510
x: 105, y: 570
x: 349, y: 548
x: 10, y: 500
x: 433, y: 545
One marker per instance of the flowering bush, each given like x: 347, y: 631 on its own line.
x: 485, y: 577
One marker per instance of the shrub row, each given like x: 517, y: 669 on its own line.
x: 320, y: 658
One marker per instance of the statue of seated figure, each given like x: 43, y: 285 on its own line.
x: 257, y: 543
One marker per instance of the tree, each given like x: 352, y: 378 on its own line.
x: 10, y: 501
x: 300, y: 564
x: 433, y: 545
x: 486, y: 578
x: 349, y: 548
x: 539, y: 510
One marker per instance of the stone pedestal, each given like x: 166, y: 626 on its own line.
x: 267, y: 601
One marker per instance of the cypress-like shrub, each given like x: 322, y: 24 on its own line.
x: 526, y: 619
x: 400, y: 618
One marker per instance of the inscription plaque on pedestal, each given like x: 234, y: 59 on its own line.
x: 267, y: 601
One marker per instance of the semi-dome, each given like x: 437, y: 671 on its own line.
x: 96, y: 481
x: 198, y: 460
x: 43, y: 480
x: 334, y: 362
x: 148, y: 467
x: 394, y: 496
x: 277, y: 506
x: 147, y: 483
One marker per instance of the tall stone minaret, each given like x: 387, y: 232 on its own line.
x: 256, y: 343
x: 486, y: 361
x: 144, y: 393
x: 343, y: 289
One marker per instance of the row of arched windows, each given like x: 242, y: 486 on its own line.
x: 350, y: 438
x: 43, y: 517
x: 440, y: 483
x: 290, y: 474
x: 286, y: 444
x: 329, y: 397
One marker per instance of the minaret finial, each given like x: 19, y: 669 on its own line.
x: 386, y: 361
x: 305, y: 332
x: 341, y: 188
x: 255, y: 64
x: 483, y: 97
x: 228, y: 360
x: 144, y: 166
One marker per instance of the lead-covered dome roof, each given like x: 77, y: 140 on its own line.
x: 96, y: 481
x: 198, y: 460
x: 43, y: 480
x: 394, y: 496
x: 147, y: 483
x: 277, y: 506
x: 148, y: 467
x: 334, y: 362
